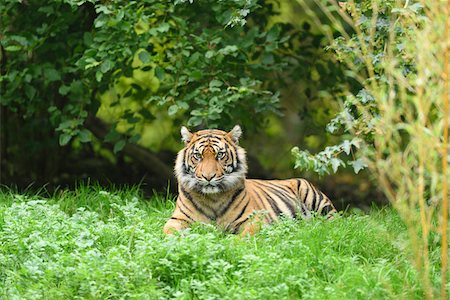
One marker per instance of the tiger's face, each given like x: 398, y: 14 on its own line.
x: 211, y: 161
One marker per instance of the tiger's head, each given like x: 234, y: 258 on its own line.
x: 211, y: 161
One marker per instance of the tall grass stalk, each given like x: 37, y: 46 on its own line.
x: 409, y: 152
x: 445, y: 162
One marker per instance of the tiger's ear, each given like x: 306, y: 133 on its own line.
x: 186, y: 135
x: 235, y: 133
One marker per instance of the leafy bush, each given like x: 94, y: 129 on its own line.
x: 153, y: 57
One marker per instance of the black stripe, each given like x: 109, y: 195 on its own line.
x: 202, y: 143
x: 185, y: 162
x: 215, y: 143
x: 238, y: 225
x: 319, y: 201
x: 197, y: 207
x: 229, y: 156
x: 283, y: 196
x: 209, y: 136
x: 237, y: 157
x: 231, y: 201
x: 178, y: 219
x: 327, y: 209
x: 184, y: 213
x: 270, y: 219
x: 241, y: 213
x: 314, y: 202
x: 307, y: 193
x: 288, y: 204
x: 185, y: 170
x: 181, y: 201
x: 272, y: 203
x: 299, y: 183
x: 304, y: 208
x: 292, y: 190
x: 233, y: 158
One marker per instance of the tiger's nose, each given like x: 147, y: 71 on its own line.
x: 209, y: 177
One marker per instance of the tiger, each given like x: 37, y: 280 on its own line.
x: 212, y: 187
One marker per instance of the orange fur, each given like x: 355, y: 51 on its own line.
x: 211, y: 172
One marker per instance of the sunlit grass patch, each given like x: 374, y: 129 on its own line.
x: 96, y: 244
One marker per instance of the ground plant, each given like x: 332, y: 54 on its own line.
x: 97, y: 244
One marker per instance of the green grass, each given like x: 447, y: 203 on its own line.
x: 94, y: 244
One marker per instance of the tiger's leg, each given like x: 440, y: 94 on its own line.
x: 251, y: 229
x: 177, y: 222
x: 252, y: 225
x: 174, y: 225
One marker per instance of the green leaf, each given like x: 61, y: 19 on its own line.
x: 98, y: 76
x: 336, y: 163
x: 195, y: 75
x: 215, y: 83
x: 183, y: 105
x: 358, y: 165
x: 172, y: 110
x: 164, y: 27
x: 100, y: 21
x: 267, y: 59
x: 141, y: 27
x: 13, y: 48
x: 346, y: 146
x: 85, y: 136
x: 112, y: 136
x: 146, y: 114
x: 135, y: 138
x: 194, y: 58
x: 273, y: 33
x: 159, y: 72
x: 119, y: 146
x: 30, y: 91
x: 106, y: 66
x: 230, y: 49
x: 64, y: 139
x: 195, y: 121
x: 64, y: 90
x: 133, y: 120
x: 144, y: 56
x: 51, y: 74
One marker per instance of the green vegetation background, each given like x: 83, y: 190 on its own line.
x: 98, y: 90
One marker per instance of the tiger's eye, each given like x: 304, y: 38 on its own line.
x: 220, y: 155
x: 197, y: 156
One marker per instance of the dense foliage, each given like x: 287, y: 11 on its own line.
x: 86, y: 81
x: 99, y: 244
x: 153, y: 56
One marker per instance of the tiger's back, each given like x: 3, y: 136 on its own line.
x: 213, y: 188
x: 290, y: 197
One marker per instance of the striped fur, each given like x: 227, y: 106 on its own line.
x: 212, y: 187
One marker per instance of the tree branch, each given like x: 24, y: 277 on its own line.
x: 142, y: 155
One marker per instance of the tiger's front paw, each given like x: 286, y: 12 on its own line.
x: 173, y: 226
x: 251, y: 229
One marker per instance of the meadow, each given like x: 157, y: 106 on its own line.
x: 97, y: 244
